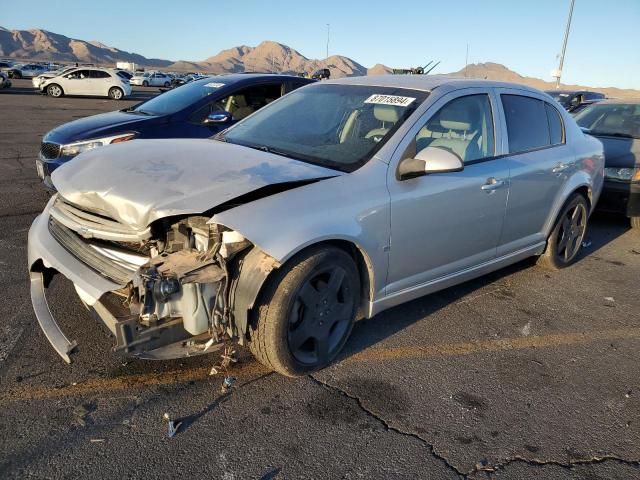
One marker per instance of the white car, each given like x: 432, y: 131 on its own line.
x: 87, y: 81
x: 151, y: 79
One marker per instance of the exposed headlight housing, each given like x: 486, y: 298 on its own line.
x: 73, y: 149
x: 622, y: 174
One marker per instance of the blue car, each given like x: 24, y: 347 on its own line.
x: 198, y: 109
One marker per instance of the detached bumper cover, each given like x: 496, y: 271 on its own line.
x: 44, y: 252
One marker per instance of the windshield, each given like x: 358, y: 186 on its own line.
x: 619, y: 120
x: 179, y: 98
x: 335, y: 126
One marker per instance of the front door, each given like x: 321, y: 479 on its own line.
x: 447, y: 222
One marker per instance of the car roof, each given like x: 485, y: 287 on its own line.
x: 231, y: 78
x: 620, y: 101
x: 424, y: 82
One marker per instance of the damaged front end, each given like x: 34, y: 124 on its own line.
x: 174, y: 289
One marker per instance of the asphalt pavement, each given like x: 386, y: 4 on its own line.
x: 521, y: 374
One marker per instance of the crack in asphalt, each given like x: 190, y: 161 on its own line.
x: 388, y: 427
x: 491, y: 469
x: 479, y: 468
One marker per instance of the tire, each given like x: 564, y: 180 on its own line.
x: 17, y: 75
x: 145, y: 84
x: 167, y: 84
x: 635, y: 222
x: 565, y: 240
x: 289, y: 332
x: 116, y: 93
x: 54, y: 90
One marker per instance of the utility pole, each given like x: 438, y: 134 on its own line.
x: 466, y: 61
x: 558, y: 73
x: 328, y: 30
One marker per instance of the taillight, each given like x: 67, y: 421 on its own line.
x: 122, y: 139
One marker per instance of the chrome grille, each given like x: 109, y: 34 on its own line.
x: 50, y: 151
x: 90, y: 254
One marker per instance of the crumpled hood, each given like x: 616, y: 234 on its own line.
x: 140, y: 181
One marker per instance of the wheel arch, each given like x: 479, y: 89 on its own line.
x: 256, y: 268
x: 577, y: 184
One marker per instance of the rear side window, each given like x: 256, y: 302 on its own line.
x: 556, y: 132
x: 99, y: 74
x: 527, y: 123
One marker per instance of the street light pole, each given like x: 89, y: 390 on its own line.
x: 564, y: 45
x: 328, y: 30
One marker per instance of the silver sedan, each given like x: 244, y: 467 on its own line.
x: 341, y: 199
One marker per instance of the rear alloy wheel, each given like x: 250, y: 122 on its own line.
x: 54, y: 90
x: 116, y: 93
x: 306, y: 312
x: 145, y: 84
x: 167, y: 84
x: 567, y: 235
x: 635, y: 222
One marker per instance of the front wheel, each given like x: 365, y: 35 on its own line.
x: 167, y: 84
x: 635, y: 222
x: 306, y: 312
x: 145, y: 84
x: 567, y: 235
x: 116, y: 93
x: 54, y: 90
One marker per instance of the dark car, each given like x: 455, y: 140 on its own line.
x: 321, y: 74
x: 616, y: 123
x: 199, y: 109
x: 575, y: 100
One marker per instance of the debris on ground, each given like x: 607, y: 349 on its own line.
x: 586, y: 244
x: 227, y: 384
x: 173, y: 426
x: 609, y: 301
x: 80, y: 413
x: 96, y: 440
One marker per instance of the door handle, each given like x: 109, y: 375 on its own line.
x: 492, y: 184
x: 561, y: 167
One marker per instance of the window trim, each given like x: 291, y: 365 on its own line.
x: 535, y: 149
x: 562, y: 126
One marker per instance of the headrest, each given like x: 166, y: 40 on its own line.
x: 455, y: 118
x: 614, y: 120
x: 386, y: 113
x: 241, y: 101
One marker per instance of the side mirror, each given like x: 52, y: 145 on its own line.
x: 218, y: 117
x: 429, y: 160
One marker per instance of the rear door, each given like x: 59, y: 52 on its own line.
x: 99, y: 82
x: 540, y: 162
x: 445, y: 223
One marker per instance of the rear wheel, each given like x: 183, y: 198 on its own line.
x: 17, y: 74
x: 635, y: 222
x: 145, y: 84
x: 567, y: 235
x: 54, y: 90
x: 306, y: 312
x: 167, y: 84
x: 116, y: 93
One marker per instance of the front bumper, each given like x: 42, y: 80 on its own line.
x: 45, y: 167
x: 620, y: 197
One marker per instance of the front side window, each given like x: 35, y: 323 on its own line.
x: 527, y: 123
x: 79, y: 74
x: 242, y: 103
x: 464, y: 126
x: 332, y: 125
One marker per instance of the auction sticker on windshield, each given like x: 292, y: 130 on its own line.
x: 390, y: 100
x: 214, y: 85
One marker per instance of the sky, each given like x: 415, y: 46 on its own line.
x: 525, y: 36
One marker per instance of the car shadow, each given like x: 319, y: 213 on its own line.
x: 603, y: 229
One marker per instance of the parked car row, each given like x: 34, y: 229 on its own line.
x: 575, y: 101
x: 313, y: 201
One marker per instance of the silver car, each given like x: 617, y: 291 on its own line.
x: 343, y: 198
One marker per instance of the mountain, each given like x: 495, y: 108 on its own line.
x: 37, y: 44
x: 271, y: 57
x: 496, y: 71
